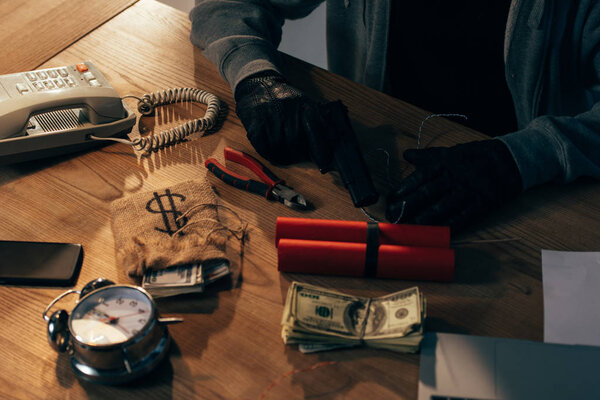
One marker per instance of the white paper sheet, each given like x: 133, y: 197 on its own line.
x: 486, y: 368
x: 571, y: 283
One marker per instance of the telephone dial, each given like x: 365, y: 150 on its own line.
x: 55, y: 111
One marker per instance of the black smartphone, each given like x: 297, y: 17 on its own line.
x: 39, y: 263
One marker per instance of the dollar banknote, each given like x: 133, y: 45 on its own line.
x: 307, y: 348
x: 319, y: 319
x: 182, y: 275
x: 190, y: 278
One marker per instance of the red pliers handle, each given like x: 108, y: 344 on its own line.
x: 271, y: 186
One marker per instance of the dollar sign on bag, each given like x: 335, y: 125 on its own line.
x: 167, y: 210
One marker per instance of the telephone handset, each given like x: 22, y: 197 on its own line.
x: 102, y: 105
x: 55, y: 111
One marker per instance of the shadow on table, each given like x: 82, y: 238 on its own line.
x: 334, y: 374
x: 145, y: 386
x: 193, y: 150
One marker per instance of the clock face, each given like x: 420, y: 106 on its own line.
x: 111, y: 315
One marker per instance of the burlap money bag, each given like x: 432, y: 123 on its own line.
x: 166, y: 227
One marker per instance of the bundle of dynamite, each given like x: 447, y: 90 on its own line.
x: 355, y: 248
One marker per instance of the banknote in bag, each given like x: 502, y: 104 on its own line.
x: 190, y: 278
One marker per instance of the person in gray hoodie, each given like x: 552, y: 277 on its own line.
x: 526, y: 73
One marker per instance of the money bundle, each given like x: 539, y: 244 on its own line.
x: 190, y: 278
x: 319, y: 319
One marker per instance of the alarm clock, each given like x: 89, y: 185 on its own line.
x: 114, y: 333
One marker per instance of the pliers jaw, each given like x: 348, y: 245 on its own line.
x: 269, y: 186
x: 289, y: 197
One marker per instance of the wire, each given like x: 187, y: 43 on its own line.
x: 149, y: 101
x: 478, y: 241
x: 370, y: 216
x: 434, y: 116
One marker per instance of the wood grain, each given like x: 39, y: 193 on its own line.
x: 229, y: 346
x: 32, y: 31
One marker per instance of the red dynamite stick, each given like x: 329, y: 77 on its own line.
x: 356, y: 232
x: 348, y: 259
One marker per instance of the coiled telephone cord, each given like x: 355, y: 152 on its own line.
x: 149, y: 101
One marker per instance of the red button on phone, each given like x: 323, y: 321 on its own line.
x: 81, y: 67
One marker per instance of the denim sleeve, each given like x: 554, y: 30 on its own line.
x: 241, y: 36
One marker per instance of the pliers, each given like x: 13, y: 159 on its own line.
x: 271, y: 186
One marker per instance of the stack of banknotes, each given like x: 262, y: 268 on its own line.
x: 319, y: 319
x: 191, y: 278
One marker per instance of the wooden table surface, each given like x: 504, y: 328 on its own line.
x: 33, y: 31
x: 230, y: 346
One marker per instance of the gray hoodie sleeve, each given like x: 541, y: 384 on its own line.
x: 241, y: 36
x: 553, y: 71
x: 557, y: 149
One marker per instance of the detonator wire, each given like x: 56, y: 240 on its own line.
x: 419, y: 134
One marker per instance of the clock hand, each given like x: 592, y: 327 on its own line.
x: 115, y: 320
x: 130, y: 315
x: 106, y: 316
x: 122, y: 327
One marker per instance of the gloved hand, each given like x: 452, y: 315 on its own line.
x: 452, y: 186
x: 281, y: 122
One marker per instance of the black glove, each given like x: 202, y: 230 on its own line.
x: 453, y: 186
x: 281, y: 122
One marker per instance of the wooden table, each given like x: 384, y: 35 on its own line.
x: 229, y: 345
x: 31, y: 31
